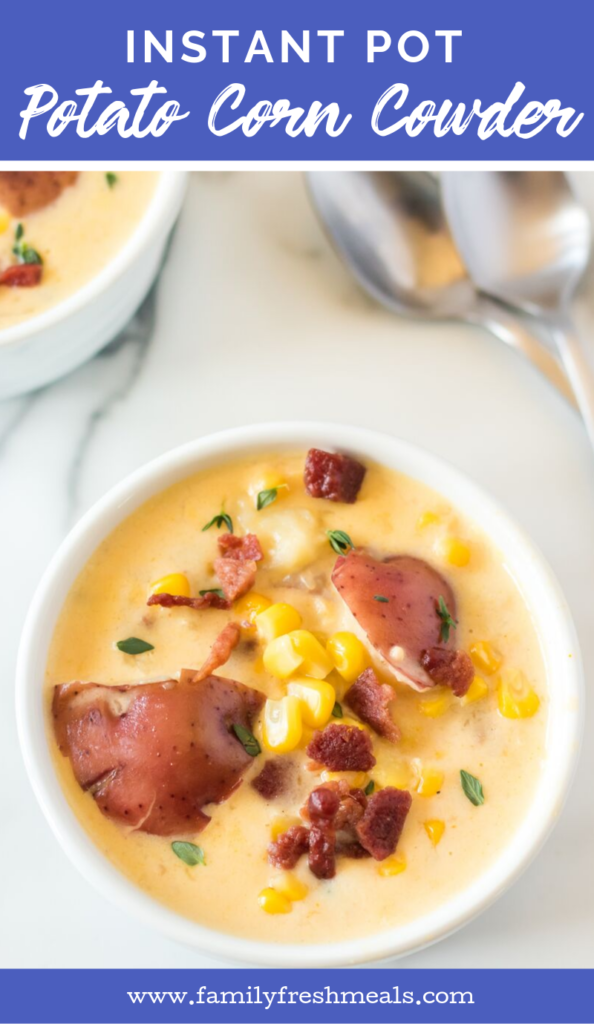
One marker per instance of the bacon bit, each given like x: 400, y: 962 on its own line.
x: 21, y: 275
x: 322, y: 851
x: 241, y: 549
x: 332, y: 476
x: 342, y: 748
x: 273, y: 779
x: 381, y: 826
x: 23, y: 192
x: 449, y: 668
x: 351, y: 810
x: 323, y: 804
x: 289, y: 847
x: 210, y: 600
x: 370, y: 700
x: 353, y: 849
x: 236, y: 577
x: 219, y: 653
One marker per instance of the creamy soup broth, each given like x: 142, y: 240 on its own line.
x: 392, y: 514
x: 76, y: 235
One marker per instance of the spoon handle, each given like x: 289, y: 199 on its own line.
x: 509, y: 328
x: 577, y: 367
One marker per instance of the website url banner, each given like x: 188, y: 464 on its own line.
x: 355, y: 995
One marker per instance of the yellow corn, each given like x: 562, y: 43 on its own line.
x: 427, y: 519
x: 392, y: 866
x: 456, y: 552
x: 348, y: 654
x: 515, y: 696
x: 427, y: 781
x: 436, y: 703
x: 435, y: 830
x: 281, y: 824
x: 476, y: 691
x: 248, y: 607
x: 281, y: 726
x: 268, y: 482
x: 4, y: 221
x: 276, y: 620
x: 175, y: 583
x: 485, y: 657
x: 298, y: 649
x: 317, y: 700
x: 397, y: 774
x: 356, y: 780
x: 292, y: 887
x: 274, y: 902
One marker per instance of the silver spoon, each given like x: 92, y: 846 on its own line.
x: 526, y: 240
x: 391, y: 230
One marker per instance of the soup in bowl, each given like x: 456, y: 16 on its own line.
x: 300, y: 695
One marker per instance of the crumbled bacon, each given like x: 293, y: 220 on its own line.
x: 236, y: 577
x: 332, y: 476
x: 323, y: 804
x: 322, y: 847
x: 449, y: 668
x: 350, y: 811
x: 289, y: 847
x: 370, y: 700
x: 23, y: 192
x: 208, y: 600
x: 21, y: 275
x: 381, y: 826
x: 273, y: 779
x: 241, y: 549
x: 219, y: 653
x: 342, y: 748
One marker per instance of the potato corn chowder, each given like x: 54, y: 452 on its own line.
x: 58, y: 229
x: 275, y: 696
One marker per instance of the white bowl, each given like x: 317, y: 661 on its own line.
x: 541, y: 593
x: 44, y: 347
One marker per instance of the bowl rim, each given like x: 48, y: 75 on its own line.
x: 163, y: 204
x: 563, y: 729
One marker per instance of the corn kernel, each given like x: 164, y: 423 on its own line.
x: 476, y: 691
x: 348, y: 654
x: 427, y: 519
x: 298, y: 649
x: 281, y: 824
x: 397, y: 774
x: 427, y: 781
x: 317, y: 700
x: 249, y: 606
x: 355, y: 780
x: 175, y: 583
x: 436, y: 703
x: 485, y: 657
x: 274, y: 902
x: 276, y: 620
x: 392, y: 866
x: 515, y: 696
x: 292, y: 887
x: 269, y: 481
x: 435, y: 830
x: 4, y: 221
x: 455, y: 551
x: 281, y: 725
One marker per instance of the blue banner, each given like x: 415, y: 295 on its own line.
x: 453, y: 80
x: 284, y: 997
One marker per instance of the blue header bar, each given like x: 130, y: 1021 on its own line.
x: 257, y: 81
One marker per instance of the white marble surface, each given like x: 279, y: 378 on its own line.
x: 254, y: 319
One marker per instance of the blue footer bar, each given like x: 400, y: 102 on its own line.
x: 282, y: 997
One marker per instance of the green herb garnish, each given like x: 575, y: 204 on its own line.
x: 222, y: 519
x: 111, y: 178
x: 369, y: 788
x: 447, y: 622
x: 19, y: 232
x: 134, y: 646
x: 339, y: 541
x: 267, y: 497
x: 247, y: 740
x: 337, y: 710
x: 213, y: 590
x: 381, y: 598
x: 472, y: 788
x: 189, y: 853
x: 26, y: 253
